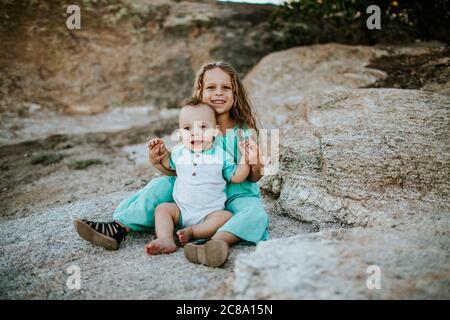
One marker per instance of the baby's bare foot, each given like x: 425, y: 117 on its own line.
x: 160, y: 246
x: 184, y: 235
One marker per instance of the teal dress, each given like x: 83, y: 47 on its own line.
x: 249, y: 222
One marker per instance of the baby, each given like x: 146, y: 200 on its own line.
x: 203, y: 168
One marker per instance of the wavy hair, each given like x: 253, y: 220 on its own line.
x: 242, y: 110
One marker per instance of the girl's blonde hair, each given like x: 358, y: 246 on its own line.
x: 242, y: 110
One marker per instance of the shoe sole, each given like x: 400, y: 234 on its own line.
x: 94, y: 237
x: 213, y: 253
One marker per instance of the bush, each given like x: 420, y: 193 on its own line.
x: 301, y: 22
x: 46, y: 158
x: 83, y: 164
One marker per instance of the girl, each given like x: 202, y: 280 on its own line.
x: 218, y: 85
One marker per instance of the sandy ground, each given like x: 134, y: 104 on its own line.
x: 39, y: 202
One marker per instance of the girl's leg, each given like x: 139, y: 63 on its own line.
x: 134, y: 213
x: 249, y: 222
x: 167, y: 216
x: 137, y: 212
x: 229, y: 238
x: 205, y: 229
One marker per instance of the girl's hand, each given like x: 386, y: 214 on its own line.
x: 253, y: 153
x: 244, y: 152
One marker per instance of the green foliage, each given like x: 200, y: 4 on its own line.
x: 83, y: 164
x: 46, y: 158
x: 301, y: 22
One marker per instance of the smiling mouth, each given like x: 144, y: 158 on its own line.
x: 218, y: 101
x: 196, y: 143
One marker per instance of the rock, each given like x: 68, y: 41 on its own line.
x: 438, y: 87
x: 34, y: 107
x: 90, y: 109
x: 283, y: 82
x: 145, y: 53
x: 272, y: 184
x: 337, y: 265
x: 38, y: 125
x: 373, y: 157
x: 374, y: 160
x: 418, y: 48
x: 185, y: 15
x: 357, y: 156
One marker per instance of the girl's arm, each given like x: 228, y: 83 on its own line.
x: 255, y: 173
x: 253, y: 154
x: 165, y: 161
x: 164, y: 170
x: 243, y: 168
x: 241, y: 173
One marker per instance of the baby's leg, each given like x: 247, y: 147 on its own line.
x: 166, y: 217
x: 206, y: 229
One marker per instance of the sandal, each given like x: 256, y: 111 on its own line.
x: 214, y: 253
x: 106, y: 234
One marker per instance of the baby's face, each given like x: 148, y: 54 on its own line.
x: 198, y: 126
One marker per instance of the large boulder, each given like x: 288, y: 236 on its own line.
x: 356, y: 156
x: 372, y: 162
x: 367, y: 157
x: 282, y: 83
x: 344, y: 264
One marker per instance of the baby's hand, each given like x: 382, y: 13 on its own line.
x: 154, y: 142
x: 156, y: 150
x: 162, y: 149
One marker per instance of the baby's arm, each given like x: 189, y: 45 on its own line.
x: 159, y: 156
x: 242, y: 168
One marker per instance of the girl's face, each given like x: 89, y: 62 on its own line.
x: 218, y: 90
